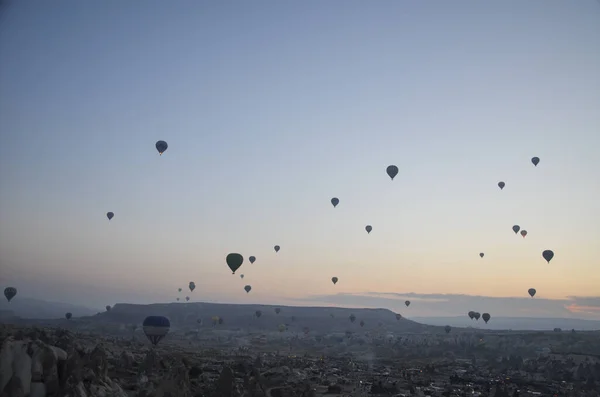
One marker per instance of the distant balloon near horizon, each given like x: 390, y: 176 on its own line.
x: 161, y: 146
x: 368, y: 228
x: 548, y: 255
x: 252, y: 259
x: 407, y: 303
x: 10, y: 292
x: 398, y: 316
x: 524, y: 233
x: 516, y: 228
x: 486, y: 317
x: 277, y: 248
x: 177, y: 299
x: 392, y: 171
x: 335, y: 201
x: 501, y: 185
x: 68, y: 315
x: 110, y: 215
x: 471, y: 315
x: 258, y: 313
x: 476, y: 315
x: 248, y: 288
x: 334, y: 280
x: 536, y: 161
x: 192, y: 286
x: 241, y: 276
x: 179, y: 289
x: 108, y: 308
x: 187, y: 298
x: 277, y: 310
x: 156, y: 328
x: 447, y: 328
x: 234, y: 261
x: 531, y: 292
x: 481, y: 254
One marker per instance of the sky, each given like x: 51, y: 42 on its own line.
x: 270, y: 109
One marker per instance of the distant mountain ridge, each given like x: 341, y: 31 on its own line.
x: 29, y: 308
x: 514, y: 323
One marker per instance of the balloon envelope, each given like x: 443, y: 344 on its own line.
x: 108, y: 308
x: 335, y: 201
x: 516, y: 228
x: 481, y: 254
x: 155, y: 328
x: 277, y: 310
x: 501, y: 185
x: 531, y: 292
x: 407, y: 303
x: 252, y: 259
x: 161, y: 146
x: 192, y: 286
x: 234, y: 261
x: 277, y: 248
x: 10, y: 292
x: 334, y: 280
x: 486, y: 317
x: 548, y: 255
x: 535, y: 160
x: 110, y: 215
x: 247, y: 288
x: 392, y: 171
x: 398, y: 316
x: 447, y: 328
x: 523, y: 233
x: 368, y: 228
x: 68, y: 316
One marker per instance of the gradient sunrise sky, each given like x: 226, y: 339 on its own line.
x: 270, y: 109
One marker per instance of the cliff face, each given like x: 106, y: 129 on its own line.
x: 243, y: 316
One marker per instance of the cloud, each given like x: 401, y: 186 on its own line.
x: 440, y: 305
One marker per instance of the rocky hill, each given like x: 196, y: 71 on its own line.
x: 235, y: 316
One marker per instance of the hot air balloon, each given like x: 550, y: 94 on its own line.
x: 368, y: 228
x: 252, y: 259
x: 199, y: 321
x: 334, y: 280
x: 535, y: 161
x: 281, y: 327
x: 516, y: 228
x: 241, y: 276
x: 277, y: 248
x: 234, y: 261
x: 258, y: 313
x: 352, y: 318
x: 481, y: 254
x: 155, y: 328
x: 392, y: 171
x: 215, y: 320
x: 277, y: 310
x: 398, y: 316
x: 187, y: 298
x: 220, y: 320
x: 192, y: 286
x: 108, y: 308
x: 110, y: 215
x: 486, y: 317
x: 161, y: 146
x: 331, y: 315
x: 177, y: 299
x: 407, y: 303
x: 477, y: 315
x: 471, y: 315
x: 362, y: 323
x: 531, y: 292
x: 248, y: 288
x: 447, y: 328
x: 335, y: 201
x: 548, y: 255
x: 10, y: 292
x: 501, y: 185
x: 523, y: 233
x: 179, y: 289
x: 68, y: 316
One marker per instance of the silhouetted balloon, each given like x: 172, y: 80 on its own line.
x: 179, y: 289
x: 241, y: 276
x: 334, y: 280
x: 192, y: 286
x: 548, y: 255
x: 155, y: 328
x: 362, y: 323
x: 501, y: 185
x: 277, y: 310
x: 68, y: 316
x: 221, y: 320
x: 234, y: 261
x: 352, y: 318
x: 277, y: 248
x: 471, y: 315
x: 252, y: 259
x: 407, y: 303
x: 248, y: 288
x: 258, y: 313
x: 481, y: 254
x: 398, y: 316
x: 392, y: 171
x: 531, y: 292
x: 516, y: 228
x: 335, y: 201
x: 447, y: 328
x: 187, y: 298
x: 535, y: 160
x: 10, y: 292
x: 477, y: 315
x: 110, y: 215
x: 108, y: 308
x: 281, y: 327
x: 161, y: 146
x: 199, y: 321
x: 177, y: 299
x: 523, y: 233
x: 368, y: 228
x: 486, y: 317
